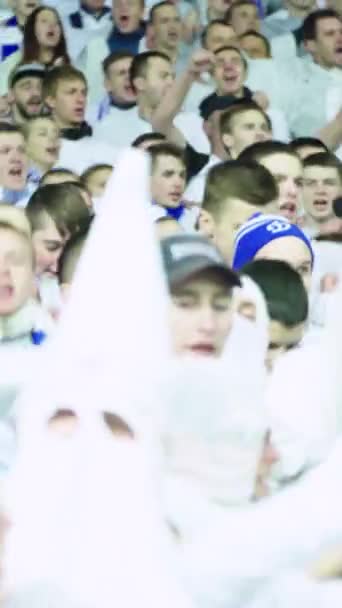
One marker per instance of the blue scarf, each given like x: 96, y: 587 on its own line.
x: 119, y: 41
x: 175, y: 212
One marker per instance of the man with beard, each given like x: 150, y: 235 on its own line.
x: 25, y: 95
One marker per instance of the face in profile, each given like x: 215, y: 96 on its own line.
x: 200, y: 315
x: 159, y: 78
x: 97, y: 181
x: 246, y: 128
x: 222, y: 230
x: 48, y: 245
x: 16, y: 271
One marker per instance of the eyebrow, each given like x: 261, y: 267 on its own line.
x: 52, y: 242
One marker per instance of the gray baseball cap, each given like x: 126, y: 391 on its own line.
x: 185, y: 255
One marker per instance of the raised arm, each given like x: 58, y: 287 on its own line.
x: 331, y: 134
x: 162, y: 118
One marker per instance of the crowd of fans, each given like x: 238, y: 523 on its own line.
x: 170, y: 297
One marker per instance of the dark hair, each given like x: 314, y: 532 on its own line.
x: 63, y: 203
x: 309, y: 27
x: 307, y: 142
x: 263, y: 149
x: 56, y: 75
x: 6, y: 127
x: 114, y: 57
x: 30, y: 43
x: 228, y: 15
x: 247, y: 181
x: 228, y: 47
x: 237, y: 108
x: 324, y: 159
x: 92, y: 169
x: 261, y: 37
x: 283, y: 288
x: 147, y: 137
x: 71, y: 254
x: 58, y: 171
x: 166, y: 149
x: 139, y: 64
x: 207, y: 29
x: 156, y: 7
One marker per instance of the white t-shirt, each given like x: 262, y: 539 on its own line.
x: 121, y: 127
x: 195, y: 190
x: 79, y: 155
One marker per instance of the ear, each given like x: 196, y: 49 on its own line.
x: 50, y: 102
x: 310, y: 46
x: 10, y: 96
x: 206, y: 224
x: 139, y: 84
x: 207, y: 128
x: 227, y: 140
x: 107, y: 85
x: 150, y: 37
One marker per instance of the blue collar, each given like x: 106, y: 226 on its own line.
x: 12, y: 22
x: 122, y: 105
x: 38, y: 337
x: 137, y: 34
x: 175, y: 212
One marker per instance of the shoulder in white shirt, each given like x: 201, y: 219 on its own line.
x: 79, y: 155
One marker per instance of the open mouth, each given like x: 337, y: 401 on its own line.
x: 6, y: 291
x: 289, y: 210
x: 79, y: 112
x: 320, y: 204
x: 53, y: 151
x: 16, y: 172
x: 124, y: 20
x: 231, y: 80
x: 203, y: 349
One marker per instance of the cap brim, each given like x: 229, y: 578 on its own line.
x: 30, y: 73
x: 189, y: 269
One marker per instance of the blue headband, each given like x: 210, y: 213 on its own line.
x: 258, y: 232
